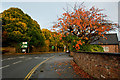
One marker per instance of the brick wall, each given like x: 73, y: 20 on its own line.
x: 99, y: 65
x: 112, y: 48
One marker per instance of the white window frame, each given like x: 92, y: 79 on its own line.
x: 106, y: 49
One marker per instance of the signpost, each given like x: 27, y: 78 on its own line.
x: 52, y: 47
x: 24, y: 47
x: 64, y: 48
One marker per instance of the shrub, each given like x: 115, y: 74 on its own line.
x: 91, y: 48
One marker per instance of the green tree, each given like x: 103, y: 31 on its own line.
x: 57, y: 41
x: 18, y: 27
x: 53, y: 38
x: 46, y: 33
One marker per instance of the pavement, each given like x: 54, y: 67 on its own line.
x: 51, y: 65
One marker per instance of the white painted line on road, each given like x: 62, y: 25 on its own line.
x: 7, y: 59
x: 17, y: 62
x: 4, y: 59
x: 28, y: 58
x: 40, y: 57
x: 36, y: 57
x: 4, y: 66
x: 22, y: 57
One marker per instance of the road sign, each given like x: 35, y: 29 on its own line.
x: 24, y: 45
x: 24, y: 42
x: 23, y: 50
x: 52, y: 47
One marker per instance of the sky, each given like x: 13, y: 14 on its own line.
x: 45, y: 13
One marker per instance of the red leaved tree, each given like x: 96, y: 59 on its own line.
x: 88, y: 25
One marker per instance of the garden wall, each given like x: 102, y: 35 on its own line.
x: 9, y: 49
x: 99, y: 65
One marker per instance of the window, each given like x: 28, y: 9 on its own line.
x: 106, y: 49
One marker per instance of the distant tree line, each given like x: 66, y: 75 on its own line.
x: 19, y: 27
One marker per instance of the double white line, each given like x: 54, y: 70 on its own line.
x: 33, y: 70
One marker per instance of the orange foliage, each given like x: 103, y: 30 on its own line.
x: 84, y: 23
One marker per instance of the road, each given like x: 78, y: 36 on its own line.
x: 51, y: 65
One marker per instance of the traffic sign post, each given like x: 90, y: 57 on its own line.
x: 64, y: 48
x: 24, y: 47
x: 53, y: 48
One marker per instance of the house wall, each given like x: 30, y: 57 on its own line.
x: 119, y: 46
x: 111, y: 48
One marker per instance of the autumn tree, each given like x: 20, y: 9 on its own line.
x: 53, y: 38
x: 18, y: 27
x: 56, y: 40
x: 86, y: 24
x: 47, y: 34
x: 69, y: 40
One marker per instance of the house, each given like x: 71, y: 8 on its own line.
x: 111, y: 44
x: 119, y: 47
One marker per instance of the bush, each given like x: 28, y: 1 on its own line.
x: 91, y: 48
x: 4, y: 51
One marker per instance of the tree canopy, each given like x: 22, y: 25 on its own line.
x: 18, y: 27
x: 86, y: 24
x: 53, y: 37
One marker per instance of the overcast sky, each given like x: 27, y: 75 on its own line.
x: 47, y: 12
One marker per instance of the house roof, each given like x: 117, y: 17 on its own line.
x: 112, y: 39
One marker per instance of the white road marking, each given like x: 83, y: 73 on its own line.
x: 7, y: 59
x: 40, y: 57
x: 4, y: 66
x: 3, y: 59
x: 22, y: 57
x: 10, y: 58
x: 28, y: 58
x: 17, y: 62
x: 36, y: 57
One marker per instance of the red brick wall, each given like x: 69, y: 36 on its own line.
x: 112, y: 48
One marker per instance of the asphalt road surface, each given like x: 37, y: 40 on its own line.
x: 51, y: 65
